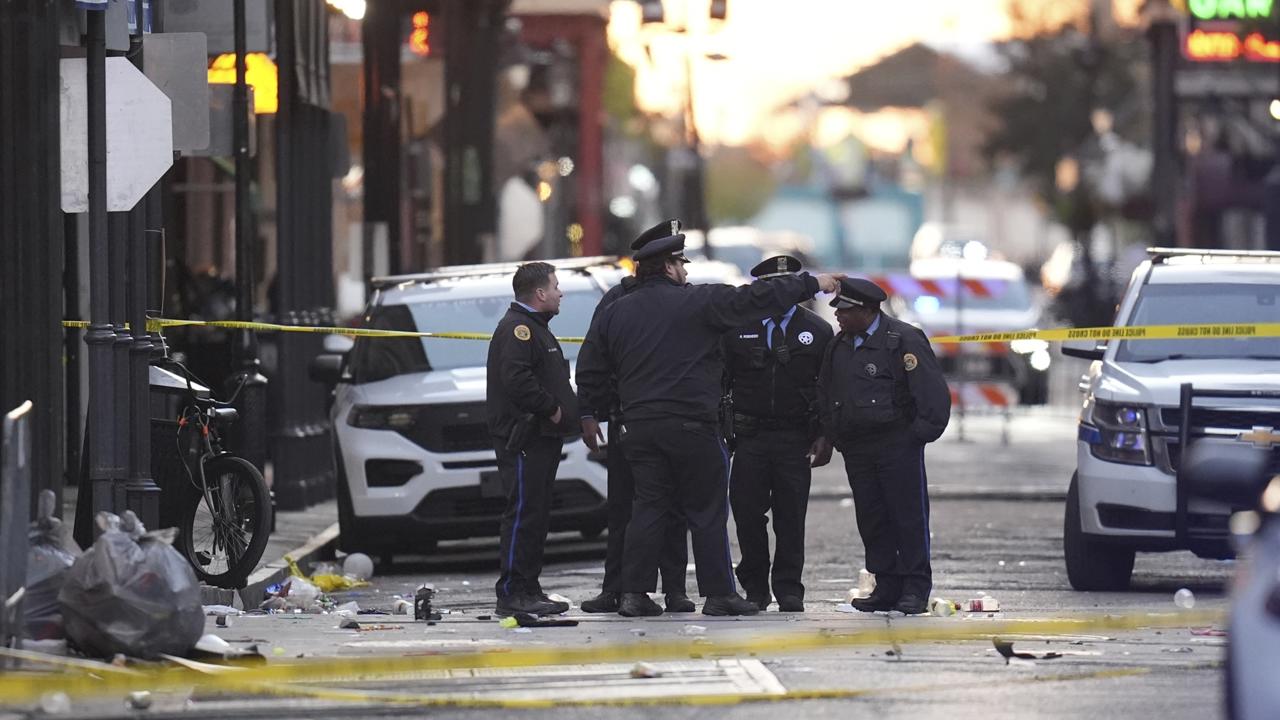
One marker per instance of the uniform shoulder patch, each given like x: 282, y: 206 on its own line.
x: 805, y: 338
x: 522, y: 332
x: 910, y: 361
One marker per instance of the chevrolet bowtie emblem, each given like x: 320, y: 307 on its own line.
x: 1261, y: 437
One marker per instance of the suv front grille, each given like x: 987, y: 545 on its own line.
x: 467, y: 503
x: 450, y: 428
x: 1203, y: 417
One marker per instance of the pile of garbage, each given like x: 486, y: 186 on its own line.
x: 310, y: 593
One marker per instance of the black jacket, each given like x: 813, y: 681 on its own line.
x: 528, y: 374
x: 662, y: 342
x: 892, y: 383
x: 765, y: 388
x: 605, y: 405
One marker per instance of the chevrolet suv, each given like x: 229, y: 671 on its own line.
x: 414, y: 456
x: 1145, y: 400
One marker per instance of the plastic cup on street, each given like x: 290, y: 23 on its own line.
x: 1184, y: 599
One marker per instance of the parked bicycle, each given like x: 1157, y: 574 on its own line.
x: 223, y: 529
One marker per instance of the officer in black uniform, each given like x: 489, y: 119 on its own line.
x: 675, y: 553
x: 771, y: 371
x: 883, y: 398
x: 531, y: 409
x: 662, y: 343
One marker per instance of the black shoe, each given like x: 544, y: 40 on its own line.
x: 638, y: 605
x: 558, y: 606
x: 524, y: 603
x: 790, y: 603
x: 912, y: 604
x: 679, y: 603
x: 605, y: 602
x: 760, y: 601
x: 876, y: 602
x: 725, y: 605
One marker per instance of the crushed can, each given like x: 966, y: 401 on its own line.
x: 422, y: 603
x: 982, y: 604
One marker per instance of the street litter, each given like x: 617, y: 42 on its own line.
x: 295, y: 593
x: 638, y: 632
x: 644, y: 670
x: 986, y: 603
x: 1005, y: 648
x: 528, y: 621
x: 522, y: 630
x: 55, y: 703
x: 223, y: 621
x: 1183, y: 649
x: 1208, y: 632
x: 422, y: 603
x: 347, y: 608
x: 348, y: 623
x: 139, y: 700
x: 325, y: 582
x: 846, y: 608
x: 400, y: 606
x: 50, y: 554
x: 509, y: 622
x: 1184, y: 599
x: 358, y: 566
x: 693, y: 630
x: 942, y: 607
x: 131, y: 593
x: 220, y: 610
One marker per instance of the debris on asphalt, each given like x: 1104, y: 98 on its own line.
x: 1005, y: 648
x: 220, y: 610
x: 50, y: 554
x: 400, y: 606
x: 348, y: 623
x: 325, y: 582
x: 1183, y: 649
x: 509, y: 622
x: 295, y: 593
x: 638, y: 632
x: 131, y: 593
x: 139, y: 700
x: 55, y: 703
x: 347, y: 609
x: 1208, y: 632
x: 942, y: 607
x: 529, y: 621
x: 985, y: 603
x: 522, y: 630
x: 1184, y: 599
x: 223, y: 621
x: 358, y: 566
x: 846, y: 608
x: 422, y: 603
x: 642, y: 670
x: 693, y: 630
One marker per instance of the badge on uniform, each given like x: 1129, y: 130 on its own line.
x: 805, y: 338
x: 522, y: 332
x: 910, y: 361
x: 871, y: 369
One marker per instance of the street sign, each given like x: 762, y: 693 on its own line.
x: 175, y: 62
x: 139, y: 135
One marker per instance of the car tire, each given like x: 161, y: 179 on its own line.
x: 1092, y: 565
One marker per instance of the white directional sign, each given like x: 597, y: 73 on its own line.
x: 139, y: 135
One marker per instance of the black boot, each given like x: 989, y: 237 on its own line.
x: 679, y: 603
x: 760, y: 601
x: 790, y: 603
x: 605, y: 602
x: 912, y: 604
x: 638, y: 605
x: 724, y: 605
x: 525, y: 603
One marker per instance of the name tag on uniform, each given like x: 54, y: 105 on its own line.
x: 749, y: 337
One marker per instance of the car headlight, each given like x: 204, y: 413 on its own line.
x: 381, y: 417
x: 1115, y: 432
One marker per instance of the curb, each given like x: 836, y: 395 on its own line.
x: 990, y: 494
x: 255, y: 590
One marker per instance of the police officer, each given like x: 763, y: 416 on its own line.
x: 883, y: 398
x: 771, y: 370
x: 662, y: 343
x: 674, y: 558
x: 531, y: 408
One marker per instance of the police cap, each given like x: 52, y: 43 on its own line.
x: 776, y: 266
x: 667, y: 247
x: 661, y: 231
x: 856, y: 292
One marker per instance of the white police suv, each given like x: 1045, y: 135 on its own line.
x: 1145, y: 400
x: 414, y: 456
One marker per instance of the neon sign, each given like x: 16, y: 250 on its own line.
x: 420, y: 37
x: 1230, y: 9
x: 1220, y: 46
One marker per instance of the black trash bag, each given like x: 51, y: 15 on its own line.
x: 131, y: 593
x: 50, y: 553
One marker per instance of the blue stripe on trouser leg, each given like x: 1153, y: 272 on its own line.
x: 515, y: 530
x: 924, y: 506
x: 728, y: 554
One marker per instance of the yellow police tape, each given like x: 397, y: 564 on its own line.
x: 1141, y: 332
x: 18, y: 688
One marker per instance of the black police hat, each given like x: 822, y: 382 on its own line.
x: 664, y: 229
x: 667, y: 247
x: 775, y: 266
x: 856, y: 292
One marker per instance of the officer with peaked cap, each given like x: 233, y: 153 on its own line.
x: 771, y: 371
x: 661, y: 342
x: 674, y: 558
x: 883, y: 398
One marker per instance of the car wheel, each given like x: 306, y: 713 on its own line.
x: 1092, y: 565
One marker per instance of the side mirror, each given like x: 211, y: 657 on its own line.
x: 326, y: 369
x: 1084, y: 351
x: 1227, y: 470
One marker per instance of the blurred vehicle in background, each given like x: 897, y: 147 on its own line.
x: 942, y: 240
x: 952, y: 295
x: 745, y: 247
x: 1145, y: 400
x: 1238, y: 472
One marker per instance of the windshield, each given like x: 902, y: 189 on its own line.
x: 744, y: 256
x: 380, y: 358
x: 1203, y: 303
x: 979, y: 294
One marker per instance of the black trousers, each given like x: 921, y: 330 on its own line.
x: 528, y: 477
x: 771, y: 472
x: 680, y: 467
x: 891, y: 502
x: 674, y: 557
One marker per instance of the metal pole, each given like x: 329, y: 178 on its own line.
x: 103, y: 467
x: 250, y: 434
x: 1164, y: 56
x: 695, y: 192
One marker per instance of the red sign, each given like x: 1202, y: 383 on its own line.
x: 1225, y: 46
x: 420, y: 36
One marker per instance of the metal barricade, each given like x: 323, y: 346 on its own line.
x: 15, y: 511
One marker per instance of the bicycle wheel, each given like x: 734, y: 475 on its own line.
x: 224, y: 532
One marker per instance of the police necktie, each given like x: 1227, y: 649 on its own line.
x: 861, y: 339
x: 778, y: 341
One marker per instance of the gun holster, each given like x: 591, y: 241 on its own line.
x: 727, y: 427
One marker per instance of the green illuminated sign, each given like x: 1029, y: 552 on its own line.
x: 1230, y: 9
